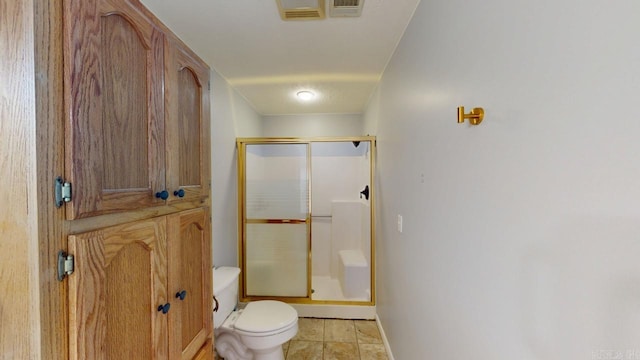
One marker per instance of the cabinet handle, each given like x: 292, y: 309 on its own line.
x: 164, y: 194
x: 164, y: 308
x: 215, y: 308
x: 181, y: 294
x: 179, y: 193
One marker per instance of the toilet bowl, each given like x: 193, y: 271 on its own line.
x: 255, y: 332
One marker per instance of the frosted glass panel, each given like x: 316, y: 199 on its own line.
x: 277, y: 183
x: 276, y: 257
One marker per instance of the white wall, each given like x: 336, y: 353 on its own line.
x: 231, y: 117
x: 522, y: 235
x: 313, y: 125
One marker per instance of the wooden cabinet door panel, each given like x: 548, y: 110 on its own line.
x: 119, y: 281
x: 189, y: 249
x: 113, y: 74
x: 206, y: 352
x: 187, y: 122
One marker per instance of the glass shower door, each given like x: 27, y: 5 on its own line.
x: 276, y: 220
x: 341, y: 218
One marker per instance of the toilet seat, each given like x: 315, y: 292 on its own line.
x: 265, y: 317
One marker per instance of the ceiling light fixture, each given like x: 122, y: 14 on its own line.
x: 305, y: 95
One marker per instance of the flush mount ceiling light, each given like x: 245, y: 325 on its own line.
x: 305, y: 95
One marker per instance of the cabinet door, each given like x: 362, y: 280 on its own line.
x: 206, y: 352
x: 119, y: 282
x: 187, y: 121
x: 113, y: 75
x: 189, y: 249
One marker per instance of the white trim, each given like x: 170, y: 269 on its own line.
x: 335, y: 311
x: 384, y: 339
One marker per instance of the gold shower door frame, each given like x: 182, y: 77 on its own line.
x: 241, y: 144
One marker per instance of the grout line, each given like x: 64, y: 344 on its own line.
x: 324, y: 322
x: 355, y: 329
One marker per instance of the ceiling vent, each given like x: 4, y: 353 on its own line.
x: 301, y: 9
x: 345, y: 8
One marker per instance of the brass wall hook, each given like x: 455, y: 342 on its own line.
x: 475, y: 116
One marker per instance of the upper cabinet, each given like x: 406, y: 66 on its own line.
x: 187, y: 122
x: 137, y: 105
x: 114, y: 145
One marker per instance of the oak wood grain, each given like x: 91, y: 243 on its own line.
x: 124, y: 109
x: 187, y: 118
x: 19, y: 303
x: 97, y: 222
x: 189, y: 127
x: 33, y: 148
x: 190, y: 269
x: 119, y: 282
x: 113, y: 90
x: 206, y: 352
x: 50, y: 156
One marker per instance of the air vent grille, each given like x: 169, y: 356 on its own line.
x: 346, y: 8
x: 339, y: 3
x: 302, y: 14
x: 301, y: 9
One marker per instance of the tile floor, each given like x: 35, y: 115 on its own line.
x: 330, y: 339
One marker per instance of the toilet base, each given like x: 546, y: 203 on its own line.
x: 233, y: 346
x: 231, y: 350
x: 229, y: 347
x: 263, y: 347
x: 269, y: 354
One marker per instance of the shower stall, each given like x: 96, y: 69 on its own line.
x: 306, y: 220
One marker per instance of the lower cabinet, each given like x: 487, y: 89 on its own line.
x: 190, y: 286
x: 206, y: 352
x: 142, y: 290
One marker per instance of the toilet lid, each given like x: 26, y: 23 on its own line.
x: 266, y: 316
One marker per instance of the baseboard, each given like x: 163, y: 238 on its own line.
x: 384, y: 339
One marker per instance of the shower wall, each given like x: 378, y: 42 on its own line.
x: 340, y: 218
x: 350, y: 230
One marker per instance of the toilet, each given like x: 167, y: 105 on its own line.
x: 256, y: 332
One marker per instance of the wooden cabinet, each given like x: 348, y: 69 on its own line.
x: 142, y: 290
x: 206, y: 352
x: 86, y: 101
x: 113, y: 76
x: 137, y: 134
x: 191, y: 322
x: 187, y: 123
x: 136, y: 148
x: 120, y: 281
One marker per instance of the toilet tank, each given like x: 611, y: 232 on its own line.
x: 225, y: 290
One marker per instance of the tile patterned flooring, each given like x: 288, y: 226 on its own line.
x: 330, y: 339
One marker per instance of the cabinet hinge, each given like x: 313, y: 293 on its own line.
x: 65, y: 265
x: 62, y: 191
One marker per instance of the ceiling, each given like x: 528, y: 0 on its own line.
x: 269, y: 60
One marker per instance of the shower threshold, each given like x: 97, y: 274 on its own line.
x: 328, y: 288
